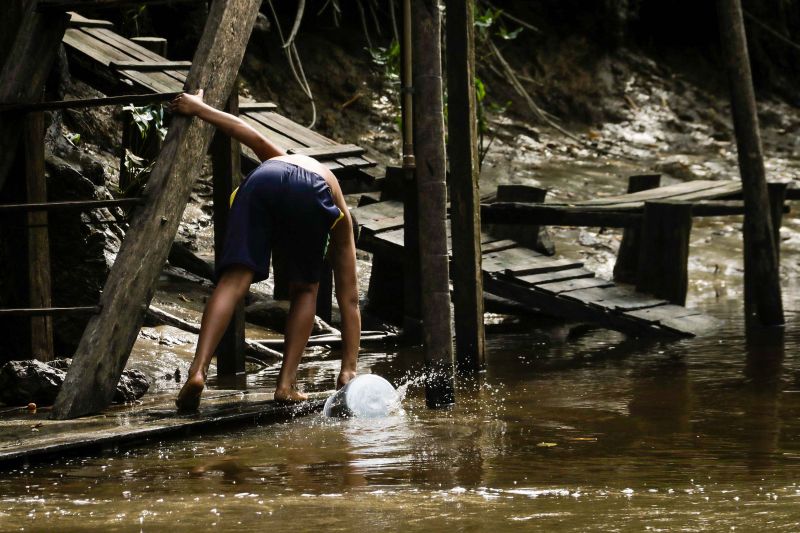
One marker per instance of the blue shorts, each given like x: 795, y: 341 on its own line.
x: 280, y: 205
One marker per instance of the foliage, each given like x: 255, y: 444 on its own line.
x: 149, y: 121
x: 388, y: 58
x: 138, y: 169
x: 148, y: 118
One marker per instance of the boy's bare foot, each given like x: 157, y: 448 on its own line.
x: 344, y: 378
x: 289, y: 395
x: 188, y: 399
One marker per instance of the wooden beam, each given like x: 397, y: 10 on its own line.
x: 465, y: 214
x: 628, y: 256
x: 43, y: 311
x: 27, y: 65
x: 150, y: 66
x: 252, y: 107
x: 38, y: 238
x: 432, y: 194
x: 71, y: 205
x: 125, y: 99
x: 226, y: 165
x: 79, y: 5
x: 107, y: 341
x: 335, y: 151
x: 762, y: 294
x: 547, y: 215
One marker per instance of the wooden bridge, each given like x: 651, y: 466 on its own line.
x: 653, y: 254
x: 121, y: 65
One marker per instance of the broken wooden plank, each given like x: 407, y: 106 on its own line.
x: 107, y: 341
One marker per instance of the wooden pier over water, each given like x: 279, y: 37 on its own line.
x: 658, y: 222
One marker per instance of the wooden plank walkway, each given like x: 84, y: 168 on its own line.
x: 551, y: 285
x: 707, y: 198
x: 26, y: 436
x: 124, y: 65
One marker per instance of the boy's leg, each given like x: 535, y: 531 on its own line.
x: 299, y: 323
x: 232, y: 287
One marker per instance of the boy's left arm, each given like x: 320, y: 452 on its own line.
x: 193, y: 105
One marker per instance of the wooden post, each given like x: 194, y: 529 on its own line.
x: 628, y: 255
x: 225, y: 161
x: 462, y: 150
x: 38, y: 238
x: 533, y: 236
x: 325, y: 293
x: 664, y: 252
x: 107, y: 341
x: 412, y: 312
x: 26, y: 67
x: 432, y: 201
x: 777, y: 196
x: 762, y: 301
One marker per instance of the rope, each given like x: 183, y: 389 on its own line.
x: 774, y: 33
x: 292, y: 55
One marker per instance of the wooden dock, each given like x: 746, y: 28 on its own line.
x: 28, y: 436
x: 551, y: 285
x: 120, y: 66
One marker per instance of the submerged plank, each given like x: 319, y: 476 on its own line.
x: 558, y: 287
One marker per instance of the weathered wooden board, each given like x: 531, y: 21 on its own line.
x: 661, y: 193
x: 544, y: 264
x: 558, y: 287
x: 558, y: 275
x: 663, y: 312
x: 330, y: 152
x: 497, y: 246
x: 154, y: 418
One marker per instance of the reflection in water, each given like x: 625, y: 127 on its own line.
x: 692, y: 435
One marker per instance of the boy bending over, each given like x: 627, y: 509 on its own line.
x: 290, y: 202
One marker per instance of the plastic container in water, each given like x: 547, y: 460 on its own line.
x: 365, y: 396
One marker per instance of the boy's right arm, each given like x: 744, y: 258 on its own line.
x: 343, y: 260
x: 193, y: 105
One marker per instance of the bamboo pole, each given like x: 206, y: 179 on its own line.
x: 432, y: 202
x: 761, y: 268
x: 412, y: 323
x: 462, y: 151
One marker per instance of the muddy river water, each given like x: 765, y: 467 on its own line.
x: 563, y: 431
